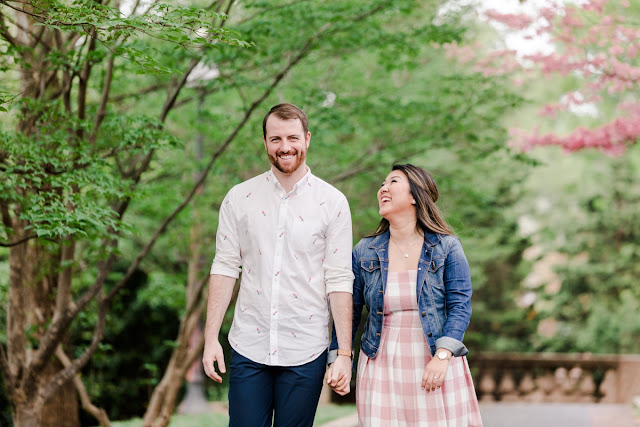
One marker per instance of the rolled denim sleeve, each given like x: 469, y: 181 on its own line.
x: 337, y: 260
x: 227, y: 260
x: 458, y: 291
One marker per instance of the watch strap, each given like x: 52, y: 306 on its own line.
x: 345, y: 353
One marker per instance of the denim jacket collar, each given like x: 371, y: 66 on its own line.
x: 382, y: 240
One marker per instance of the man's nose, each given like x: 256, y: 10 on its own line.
x: 286, y: 146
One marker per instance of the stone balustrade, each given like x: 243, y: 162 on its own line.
x: 555, y: 377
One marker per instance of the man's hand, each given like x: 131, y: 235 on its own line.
x: 213, y: 353
x: 338, y: 376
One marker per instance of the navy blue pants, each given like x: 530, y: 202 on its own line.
x: 288, y: 395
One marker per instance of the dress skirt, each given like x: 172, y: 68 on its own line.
x: 389, y: 387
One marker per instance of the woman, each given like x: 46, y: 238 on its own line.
x: 412, y: 369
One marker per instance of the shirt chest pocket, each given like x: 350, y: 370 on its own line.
x: 307, y: 235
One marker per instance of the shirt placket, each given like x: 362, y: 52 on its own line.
x: 275, y: 283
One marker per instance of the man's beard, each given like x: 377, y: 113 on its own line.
x: 299, y: 160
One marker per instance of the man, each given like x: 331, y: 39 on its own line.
x: 289, y: 233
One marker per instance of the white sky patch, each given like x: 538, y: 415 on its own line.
x: 525, y: 42
x: 581, y: 108
x: 201, y: 74
x: 329, y: 100
x: 126, y: 7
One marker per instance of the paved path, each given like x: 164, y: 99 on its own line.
x: 541, y: 415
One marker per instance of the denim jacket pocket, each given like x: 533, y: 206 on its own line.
x: 436, y: 264
x: 370, y: 265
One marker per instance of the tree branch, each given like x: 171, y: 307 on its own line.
x: 18, y: 242
x: 102, y: 109
x: 84, y: 79
x: 37, y: 38
x: 148, y: 89
x: 4, y: 31
x: 98, y: 413
x: 63, y: 296
x: 68, y: 372
x: 61, y: 322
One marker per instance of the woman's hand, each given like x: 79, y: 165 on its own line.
x: 435, y: 372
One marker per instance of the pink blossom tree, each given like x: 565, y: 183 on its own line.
x: 595, y: 43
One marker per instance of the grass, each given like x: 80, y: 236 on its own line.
x: 325, y: 414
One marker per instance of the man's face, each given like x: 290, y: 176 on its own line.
x: 286, y: 143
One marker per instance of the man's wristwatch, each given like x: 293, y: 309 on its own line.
x: 347, y: 353
x: 442, y: 355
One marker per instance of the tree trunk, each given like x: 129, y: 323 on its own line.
x: 30, y: 309
x: 25, y: 416
x: 62, y: 409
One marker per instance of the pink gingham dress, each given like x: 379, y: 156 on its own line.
x: 388, y: 388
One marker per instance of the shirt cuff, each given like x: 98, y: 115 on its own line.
x: 224, y: 271
x: 457, y: 348
x: 343, y: 286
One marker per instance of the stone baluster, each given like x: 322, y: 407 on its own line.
x: 527, y: 388
x: 609, y: 387
x: 587, y: 388
x: 507, y: 388
x: 487, y: 385
x: 546, y: 384
x: 571, y: 384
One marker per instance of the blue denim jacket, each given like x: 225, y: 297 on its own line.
x: 443, y: 290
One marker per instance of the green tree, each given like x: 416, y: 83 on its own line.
x: 69, y: 170
x: 82, y: 154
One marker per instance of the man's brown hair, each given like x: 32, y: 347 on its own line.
x: 286, y: 111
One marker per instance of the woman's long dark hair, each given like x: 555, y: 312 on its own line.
x: 425, y: 191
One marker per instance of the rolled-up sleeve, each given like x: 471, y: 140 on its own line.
x: 227, y: 260
x: 338, y: 274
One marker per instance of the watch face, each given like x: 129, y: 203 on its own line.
x: 442, y: 355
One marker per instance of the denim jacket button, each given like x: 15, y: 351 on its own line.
x: 429, y: 334
x: 424, y: 313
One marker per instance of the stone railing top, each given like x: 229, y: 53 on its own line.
x: 587, y: 360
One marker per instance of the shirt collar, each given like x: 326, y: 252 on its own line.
x: 304, y: 182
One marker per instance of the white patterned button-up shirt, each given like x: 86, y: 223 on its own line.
x: 293, y: 250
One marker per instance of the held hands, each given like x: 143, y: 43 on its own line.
x: 213, y: 353
x: 338, y: 375
x: 434, y: 374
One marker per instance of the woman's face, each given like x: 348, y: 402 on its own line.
x: 394, y: 196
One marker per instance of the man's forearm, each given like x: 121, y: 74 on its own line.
x: 342, y: 311
x: 220, y: 292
